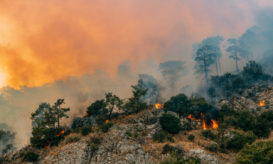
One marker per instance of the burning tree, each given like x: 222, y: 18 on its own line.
x: 46, y: 129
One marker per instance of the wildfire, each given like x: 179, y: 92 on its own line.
x: 262, y: 103
x: 204, y: 126
x: 214, y: 124
x: 159, y: 106
x: 61, y: 133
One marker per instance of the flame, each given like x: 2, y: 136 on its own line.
x: 214, y: 124
x: 61, y: 133
x: 106, y: 121
x: 262, y: 103
x: 192, y: 118
x: 159, y: 106
x: 204, y: 126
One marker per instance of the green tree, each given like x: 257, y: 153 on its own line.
x: 46, y: 129
x: 178, y: 104
x: 97, y: 108
x: 112, y: 101
x: 170, y: 123
x: 60, y: 112
x: 136, y: 103
x: 256, y: 153
x: 205, y: 56
x: 236, y: 51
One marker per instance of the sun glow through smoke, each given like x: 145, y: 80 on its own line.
x: 2, y: 79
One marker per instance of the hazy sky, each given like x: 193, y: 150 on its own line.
x: 46, y: 40
x: 84, y: 42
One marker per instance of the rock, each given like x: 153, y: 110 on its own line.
x: 205, y: 158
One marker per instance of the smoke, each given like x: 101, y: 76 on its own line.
x: 80, y: 49
x: 6, y: 139
x: 16, y: 106
x: 45, y: 41
x: 149, y: 83
x: 258, y: 39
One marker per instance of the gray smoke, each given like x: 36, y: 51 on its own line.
x: 172, y: 72
x: 153, y: 90
x: 7, y: 137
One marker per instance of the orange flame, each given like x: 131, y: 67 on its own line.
x: 106, y: 121
x: 159, y: 106
x: 192, y: 118
x: 204, y: 126
x: 214, y: 124
x: 61, y: 133
x: 262, y: 103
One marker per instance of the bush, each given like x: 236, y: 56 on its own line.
x: 42, y: 137
x: 30, y: 156
x: 106, y: 126
x: 178, y: 104
x: 264, y: 124
x: 73, y: 138
x: 208, y: 134
x: 213, y: 147
x: 160, y: 136
x: 240, y: 139
x: 177, y: 150
x: 173, y: 159
x: 81, y: 122
x: 94, y: 145
x: 245, y: 120
x: 256, y: 153
x: 128, y: 134
x: 86, y: 130
x: 191, y: 137
x: 170, y: 123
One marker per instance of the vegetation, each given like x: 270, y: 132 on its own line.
x: 178, y: 104
x: 170, y: 123
x: 173, y: 159
x: 136, y: 103
x: 240, y: 139
x: 46, y: 129
x: 94, y: 143
x: 178, y: 151
x: 208, y: 134
x: 213, y: 147
x: 6, y: 141
x: 256, y: 153
x: 229, y: 84
x: 86, y: 130
x: 30, y: 156
x: 260, y: 125
x: 73, y: 138
x: 160, y: 136
x: 112, y: 101
x: 191, y: 137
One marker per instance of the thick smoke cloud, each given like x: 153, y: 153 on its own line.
x: 259, y: 39
x: 45, y: 41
